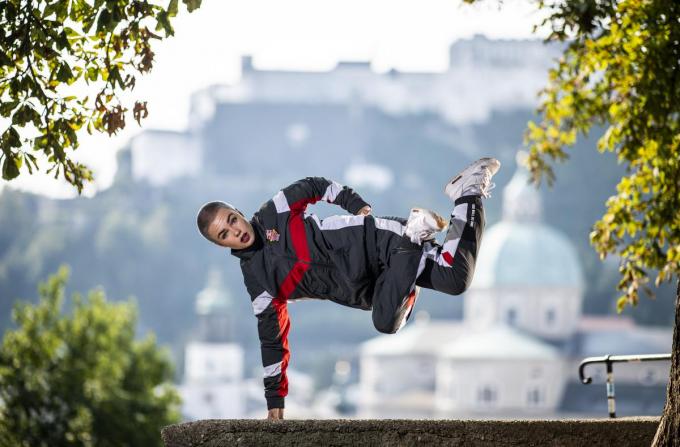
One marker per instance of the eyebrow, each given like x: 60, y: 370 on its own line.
x: 219, y: 235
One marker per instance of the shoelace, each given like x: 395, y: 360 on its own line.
x: 486, y: 192
x: 485, y: 185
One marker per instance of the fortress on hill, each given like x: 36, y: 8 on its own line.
x: 338, y: 110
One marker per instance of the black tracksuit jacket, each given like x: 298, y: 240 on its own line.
x: 296, y: 255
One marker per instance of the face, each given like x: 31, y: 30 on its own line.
x: 230, y: 229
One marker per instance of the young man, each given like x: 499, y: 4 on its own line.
x: 356, y: 260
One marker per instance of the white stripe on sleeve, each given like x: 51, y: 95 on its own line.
x: 342, y: 221
x: 389, y: 224
x: 272, y: 370
x: 281, y: 203
x: 261, y: 302
x: 332, y: 192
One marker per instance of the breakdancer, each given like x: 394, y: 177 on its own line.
x: 357, y: 260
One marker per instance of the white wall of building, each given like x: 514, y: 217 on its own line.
x: 213, y: 381
x: 552, y: 313
x: 211, y: 362
x: 493, y: 386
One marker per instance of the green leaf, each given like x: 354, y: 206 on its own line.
x: 621, y: 304
x: 7, y: 107
x: 9, y: 168
x: 41, y: 142
x: 93, y: 74
x: 4, y: 59
x: 26, y: 113
x: 30, y: 159
x: 62, y: 41
x: 114, y: 77
x: 164, y: 23
x: 65, y: 74
x: 50, y: 9
x: 172, y: 8
x: 62, y: 10
x: 192, y: 5
x: 11, y: 138
x: 105, y: 21
x: 88, y: 22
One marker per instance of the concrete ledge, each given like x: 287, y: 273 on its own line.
x: 355, y: 433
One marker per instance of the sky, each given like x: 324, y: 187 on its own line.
x: 314, y: 35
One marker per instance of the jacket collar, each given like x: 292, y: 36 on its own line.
x: 258, y: 242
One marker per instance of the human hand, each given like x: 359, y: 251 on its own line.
x: 275, y: 413
x: 365, y: 211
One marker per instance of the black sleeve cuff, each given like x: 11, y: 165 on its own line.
x: 357, y: 205
x: 274, y: 402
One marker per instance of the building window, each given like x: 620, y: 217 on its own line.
x: 550, y: 316
x: 487, y: 395
x: 511, y: 316
x: 536, y: 372
x: 535, y: 397
x: 424, y: 376
x: 208, y: 398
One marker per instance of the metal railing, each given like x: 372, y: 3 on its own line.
x: 609, y: 361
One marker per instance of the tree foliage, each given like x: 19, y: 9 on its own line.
x: 50, y: 49
x: 620, y: 70
x: 82, y: 379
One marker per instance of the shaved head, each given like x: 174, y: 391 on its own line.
x: 207, y: 214
x: 224, y: 225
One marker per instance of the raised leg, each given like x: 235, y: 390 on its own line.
x: 449, y: 267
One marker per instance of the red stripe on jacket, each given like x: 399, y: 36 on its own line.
x: 291, y: 281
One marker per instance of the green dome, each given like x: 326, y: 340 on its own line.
x: 522, y: 251
x: 526, y: 254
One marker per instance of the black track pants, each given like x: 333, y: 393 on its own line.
x: 447, y: 268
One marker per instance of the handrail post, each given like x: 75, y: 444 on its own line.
x: 611, y: 395
x: 609, y: 361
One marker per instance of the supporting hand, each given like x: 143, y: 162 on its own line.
x: 275, y: 413
x: 365, y: 211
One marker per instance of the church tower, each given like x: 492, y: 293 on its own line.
x: 213, y: 363
x: 214, y: 308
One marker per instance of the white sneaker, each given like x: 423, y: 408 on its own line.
x: 422, y: 224
x: 475, y: 179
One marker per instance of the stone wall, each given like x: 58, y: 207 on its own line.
x: 358, y: 433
